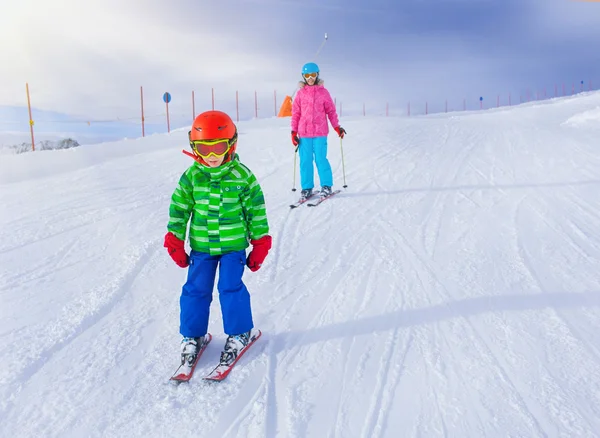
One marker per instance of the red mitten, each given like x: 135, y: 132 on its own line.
x: 176, y: 248
x: 260, y: 249
x: 295, y: 138
x: 340, y: 131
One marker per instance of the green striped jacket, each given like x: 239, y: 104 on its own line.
x: 225, y: 207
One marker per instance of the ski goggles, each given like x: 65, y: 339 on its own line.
x: 206, y: 148
x: 310, y: 75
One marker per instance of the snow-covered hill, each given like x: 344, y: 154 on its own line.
x: 452, y: 290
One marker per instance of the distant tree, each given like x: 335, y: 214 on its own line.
x: 45, y: 145
x: 67, y: 143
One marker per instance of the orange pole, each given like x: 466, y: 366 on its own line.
x: 30, y: 119
x: 142, y: 103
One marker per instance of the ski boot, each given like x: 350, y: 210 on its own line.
x: 233, y: 345
x: 189, y: 349
x: 325, y: 191
x: 305, y: 194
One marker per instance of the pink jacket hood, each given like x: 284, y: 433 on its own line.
x: 311, y: 108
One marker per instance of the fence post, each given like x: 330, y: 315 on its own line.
x: 30, y: 118
x: 142, y: 103
x: 193, y: 106
x: 168, y: 121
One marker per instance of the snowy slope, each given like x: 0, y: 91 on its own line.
x: 453, y: 290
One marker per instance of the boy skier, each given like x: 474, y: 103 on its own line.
x: 224, y: 204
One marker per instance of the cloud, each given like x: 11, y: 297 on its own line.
x: 89, y: 59
x: 92, y: 57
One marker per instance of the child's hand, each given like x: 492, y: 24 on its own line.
x: 176, y: 248
x: 295, y: 138
x: 260, y: 249
x: 340, y: 131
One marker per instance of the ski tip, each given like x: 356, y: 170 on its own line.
x: 180, y: 378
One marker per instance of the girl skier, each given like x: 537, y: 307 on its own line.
x: 310, y: 110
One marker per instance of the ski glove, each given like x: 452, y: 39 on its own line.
x: 176, y: 250
x: 295, y: 138
x: 340, y: 131
x: 260, y: 249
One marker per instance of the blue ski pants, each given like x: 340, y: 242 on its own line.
x: 314, y: 147
x: 197, y: 292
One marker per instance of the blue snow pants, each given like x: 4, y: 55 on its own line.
x: 197, y: 292
x: 314, y: 147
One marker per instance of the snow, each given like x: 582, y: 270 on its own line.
x: 452, y: 290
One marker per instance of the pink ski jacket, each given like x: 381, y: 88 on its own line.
x: 310, y: 110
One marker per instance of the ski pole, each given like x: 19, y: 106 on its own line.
x: 322, y: 44
x: 295, y: 155
x: 343, y: 166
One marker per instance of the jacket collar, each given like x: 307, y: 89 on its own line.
x: 217, y: 173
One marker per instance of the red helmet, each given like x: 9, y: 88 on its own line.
x: 214, y: 125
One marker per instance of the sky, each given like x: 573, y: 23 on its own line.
x: 88, y: 60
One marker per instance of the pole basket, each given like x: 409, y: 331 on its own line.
x: 286, y: 107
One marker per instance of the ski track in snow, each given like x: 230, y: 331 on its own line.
x: 450, y: 290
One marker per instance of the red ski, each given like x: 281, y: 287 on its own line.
x: 222, y: 371
x: 185, y: 371
x: 303, y: 200
x: 323, y: 198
